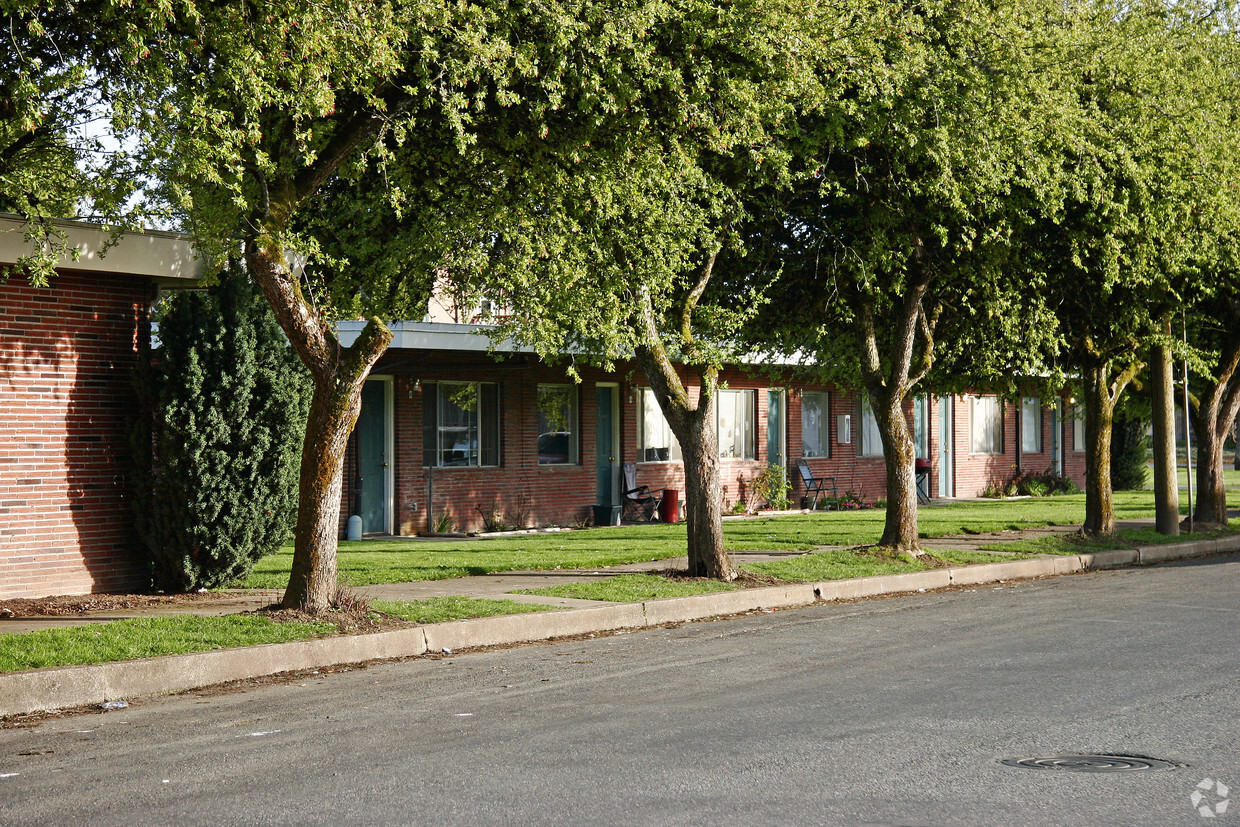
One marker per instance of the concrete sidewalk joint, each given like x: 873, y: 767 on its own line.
x: 73, y: 686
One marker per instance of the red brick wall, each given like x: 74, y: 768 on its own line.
x: 65, y: 523
x: 562, y: 495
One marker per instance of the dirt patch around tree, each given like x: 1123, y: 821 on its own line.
x: 84, y: 604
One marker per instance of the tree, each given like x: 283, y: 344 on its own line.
x: 223, y: 403
x: 54, y: 112
x: 260, y: 115
x: 893, y: 245
x: 612, y: 249
x: 1112, y: 258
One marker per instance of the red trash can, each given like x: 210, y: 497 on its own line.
x: 669, y: 508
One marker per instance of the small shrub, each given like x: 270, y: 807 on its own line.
x: 993, y: 491
x: 445, y: 523
x: 771, y: 486
x: 1042, y: 484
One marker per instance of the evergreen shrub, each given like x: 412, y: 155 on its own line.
x: 223, y: 402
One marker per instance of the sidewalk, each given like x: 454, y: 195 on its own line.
x: 62, y: 687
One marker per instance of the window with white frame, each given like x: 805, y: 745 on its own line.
x: 921, y: 426
x: 1031, y: 425
x: 557, y: 425
x: 460, y: 424
x: 735, y: 411
x: 655, y: 440
x: 1078, y: 428
x: 871, y: 439
x: 814, y: 419
x: 985, y: 425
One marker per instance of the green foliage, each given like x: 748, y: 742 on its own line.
x: 771, y: 486
x: 1130, y: 449
x: 1040, y: 484
x: 54, y: 163
x: 224, y: 402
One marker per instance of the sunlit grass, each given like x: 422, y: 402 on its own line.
x: 633, y: 588
x: 395, y: 561
x: 442, y: 609
x: 144, y: 638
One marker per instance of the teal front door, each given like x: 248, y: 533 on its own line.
x: 606, y: 451
x: 775, y: 443
x: 372, y: 459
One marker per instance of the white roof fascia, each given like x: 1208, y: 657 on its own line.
x: 475, y: 338
x: 435, y: 336
x: 152, y: 254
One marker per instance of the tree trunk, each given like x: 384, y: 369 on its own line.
x: 694, y: 427
x: 1099, y: 410
x: 1212, y: 418
x: 699, y: 445
x: 339, y: 374
x: 1235, y: 444
x: 900, y: 456
x: 1210, y: 510
x: 1166, y: 485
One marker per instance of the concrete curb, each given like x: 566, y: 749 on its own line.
x: 63, y: 687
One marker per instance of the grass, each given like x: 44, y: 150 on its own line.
x: 442, y: 609
x: 633, y: 588
x: 1075, y: 544
x: 844, y: 564
x: 368, y: 562
x: 144, y: 638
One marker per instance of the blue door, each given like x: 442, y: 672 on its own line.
x: 775, y: 446
x: 372, y: 457
x: 606, y: 452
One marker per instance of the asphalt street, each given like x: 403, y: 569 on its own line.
x: 887, y: 711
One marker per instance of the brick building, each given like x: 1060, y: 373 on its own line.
x: 448, y: 428
x: 66, y: 351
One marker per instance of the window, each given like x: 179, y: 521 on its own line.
x: 655, y: 440
x: 460, y: 424
x: 1031, y: 425
x: 921, y: 426
x: 557, y: 425
x: 1078, y: 428
x: 814, y: 438
x: 871, y: 439
x: 985, y: 425
x: 735, y: 412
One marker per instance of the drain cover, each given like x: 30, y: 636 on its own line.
x: 1089, y: 763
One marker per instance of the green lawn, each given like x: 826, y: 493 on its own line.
x: 144, y: 638
x: 367, y: 562
x: 633, y: 588
x: 442, y: 609
x: 1071, y: 544
x: 843, y: 564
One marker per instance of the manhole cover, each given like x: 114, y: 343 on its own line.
x: 1089, y: 763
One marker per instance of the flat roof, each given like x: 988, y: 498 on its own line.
x: 153, y: 254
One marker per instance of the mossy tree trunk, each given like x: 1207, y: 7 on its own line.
x: 1213, y: 414
x: 338, y: 374
x: 693, y: 423
x: 1100, y: 394
x: 888, y: 382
